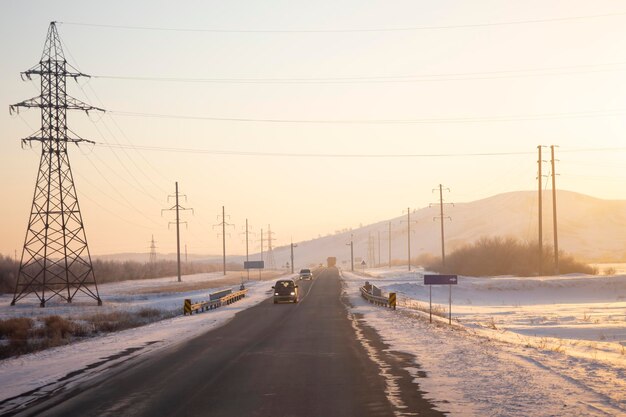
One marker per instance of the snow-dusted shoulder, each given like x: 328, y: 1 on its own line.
x: 518, y: 346
x: 43, y: 372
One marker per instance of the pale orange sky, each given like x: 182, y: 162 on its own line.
x: 561, y: 80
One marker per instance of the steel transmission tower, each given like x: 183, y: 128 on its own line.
x: 223, y: 224
x: 153, y: 254
x: 55, y: 258
x: 271, y: 263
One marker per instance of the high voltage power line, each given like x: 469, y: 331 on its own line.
x: 149, y: 177
x: 348, y: 30
x: 343, y: 155
x: 451, y: 120
x: 460, y: 76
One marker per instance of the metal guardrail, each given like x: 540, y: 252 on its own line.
x: 189, y: 307
x: 217, y: 295
x: 236, y: 296
x: 389, y: 301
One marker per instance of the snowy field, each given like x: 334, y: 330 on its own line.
x: 41, y: 373
x: 133, y: 295
x: 549, y: 346
x: 518, y: 346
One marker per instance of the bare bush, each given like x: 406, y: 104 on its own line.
x: 491, y: 256
x: 114, y: 271
x: 20, y: 335
x: 14, y: 334
x: 8, y: 272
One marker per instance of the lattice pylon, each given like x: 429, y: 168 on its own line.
x: 153, y: 254
x: 55, y: 258
x: 271, y: 262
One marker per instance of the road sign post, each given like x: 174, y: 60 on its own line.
x: 448, y: 280
x: 254, y: 265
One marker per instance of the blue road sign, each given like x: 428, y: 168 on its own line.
x: 440, y: 279
x: 253, y: 264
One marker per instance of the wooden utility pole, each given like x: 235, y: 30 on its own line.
x: 292, y: 246
x: 247, y: 250
x: 554, y: 224
x: 408, y: 237
x: 540, y: 210
x: 442, y: 218
x: 177, y: 207
x: 261, y: 244
x: 389, y: 244
x: 351, y: 252
x: 378, y: 264
x: 408, y: 234
x: 261, y: 252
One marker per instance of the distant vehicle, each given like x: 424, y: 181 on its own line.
x: 285, y: 290
x: 306, y: 274
x: 331, y: 261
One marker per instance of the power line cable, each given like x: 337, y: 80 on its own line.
x: 115, y: 137
x: 451, y: 120
x: 348, y: 155
x: 131, y: 146
x: 128, y: 203
x: 347, y: 30
x: 484, y: 75
x: 310, y: 155
x: 138, y: 187
x: 94, y: 201
x: 134, y: 163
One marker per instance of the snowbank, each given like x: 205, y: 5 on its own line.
x: 40, y: 373
x: 518, y: 346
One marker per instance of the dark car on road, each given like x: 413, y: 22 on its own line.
x: 306, y: 274
x: 285, y: 290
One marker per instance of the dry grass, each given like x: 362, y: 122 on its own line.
x: 14, y: 336
x: 20, y: 335
x: 492, y: 324
x: 438, y: 310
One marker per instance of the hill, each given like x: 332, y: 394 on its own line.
x: 589, y: 228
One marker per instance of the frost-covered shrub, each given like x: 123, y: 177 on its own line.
x: 491, y: 256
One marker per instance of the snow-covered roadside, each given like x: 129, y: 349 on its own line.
x: 43, y: 372
x: 131, y: 295
x: 469, y: 373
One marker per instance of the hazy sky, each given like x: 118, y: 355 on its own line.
x: 455, y: 82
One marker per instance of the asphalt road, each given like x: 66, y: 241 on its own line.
x: 271, y: 360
